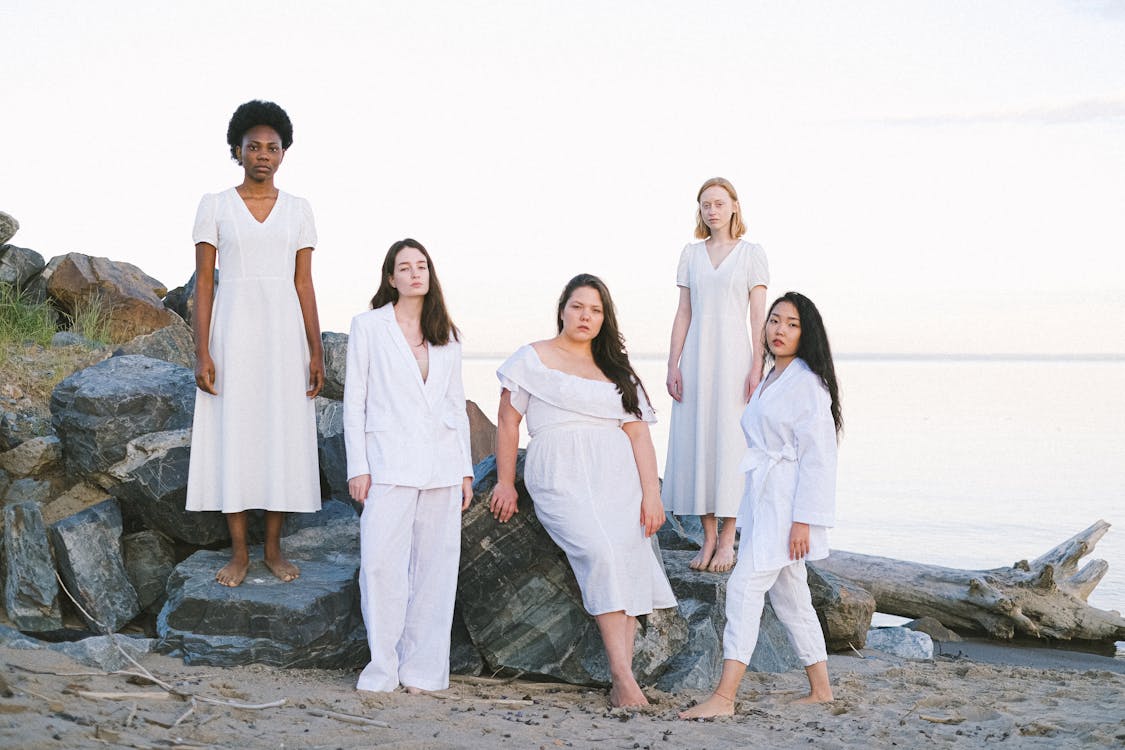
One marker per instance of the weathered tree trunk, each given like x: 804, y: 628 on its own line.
x: 1043, y: 598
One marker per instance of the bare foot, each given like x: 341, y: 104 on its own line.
x: 627, y: 694
x: 715, y: 705
x: 282, y: 568
x: 723, y: 560
x: 703, y: 559
x: 815, y: 698
x: 233, y: 573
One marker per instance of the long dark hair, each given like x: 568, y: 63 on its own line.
x: 437, y: 327
x: 813, y: 348
x: 609, y: 345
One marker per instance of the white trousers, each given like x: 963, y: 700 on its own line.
x: 792, y: 603
x: 410, y: 548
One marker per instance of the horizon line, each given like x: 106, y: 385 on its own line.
x: 903, y: 356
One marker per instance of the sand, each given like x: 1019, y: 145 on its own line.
x: 881, y: 701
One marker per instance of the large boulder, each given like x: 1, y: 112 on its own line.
x: 98, y: 410
x: 482, y: 433
x: 173, y: 343
x: 8, y: 227
x: 843, y: 608
x: 131, y: 299
x: 18, y: 265
x: 88, y: 553
x: 314, y: 621
x: 149, y: 558
x: 181, y: 300
x: 522, y: 607
x: 335, y: 363
x: 27, y: 490
x: 330, y: 451
x: 31, y: 593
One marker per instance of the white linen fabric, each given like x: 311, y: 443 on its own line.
x: 254, y: 444
x: 701, y: 473
x: 792, y: 603
x: 583, y: 480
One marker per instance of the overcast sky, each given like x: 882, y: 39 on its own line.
x: 938, y: 176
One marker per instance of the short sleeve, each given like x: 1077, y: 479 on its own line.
x: 519, y: 396
x: 648, y: 414
x: 758, y: 269
x: 683, y: 270
x: 206, y: 227
x: 306, y: 235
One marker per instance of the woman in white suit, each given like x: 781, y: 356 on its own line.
x: 407, y: 440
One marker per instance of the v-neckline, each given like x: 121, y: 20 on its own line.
x: 725, y: 257
x: 269, y: 215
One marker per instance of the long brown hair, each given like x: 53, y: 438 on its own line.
x: 609, y: 345
x: 437, y: 327
x: 737, y: 226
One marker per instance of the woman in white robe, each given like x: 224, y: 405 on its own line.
x: 407, y: 439
x: 791, y: 425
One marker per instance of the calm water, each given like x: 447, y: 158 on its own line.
x: 972, y: 464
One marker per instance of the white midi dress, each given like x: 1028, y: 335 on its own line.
x: 254, y: 444
x: 583, y: 480
x: 705, y: 443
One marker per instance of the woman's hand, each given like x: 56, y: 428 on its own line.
x: 752, y: 380
x: 652, y: 513
x: 798, y: 540
x: 316, y: 376
x: 504, y: 501
x: 205, y: 373
x: 675, y: 383
x: 359, y: 486
x: 466, y: 492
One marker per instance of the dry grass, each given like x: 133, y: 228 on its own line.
x: 33, y: 371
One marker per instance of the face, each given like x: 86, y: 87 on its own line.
x: 783, y: 330
x: 260, y: 153
x: 583, y: 314
x: 716, y: 207
x: 411, y: 275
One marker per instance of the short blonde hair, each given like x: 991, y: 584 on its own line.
x: 737, y: 227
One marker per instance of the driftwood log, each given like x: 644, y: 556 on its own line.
x: 1045, y: 598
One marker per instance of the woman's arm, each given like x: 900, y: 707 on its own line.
x: 652, y: 507
x: 355, y: 412
x: 504, y: 496
x: 205, y: 254
x: 680, y: 325
x: 758, y: 351
x: 302, y: 280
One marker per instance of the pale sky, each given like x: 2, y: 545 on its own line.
x: 937, y: 176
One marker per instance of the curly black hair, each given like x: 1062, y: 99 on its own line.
x: 255, y: 113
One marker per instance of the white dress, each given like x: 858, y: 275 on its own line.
x: 254, y: 444
x: 583, y: 480
x: 705, y: 443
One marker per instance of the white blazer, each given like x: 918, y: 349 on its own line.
x: 397, y: 428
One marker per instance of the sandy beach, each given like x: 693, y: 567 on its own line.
x: 957, y: 701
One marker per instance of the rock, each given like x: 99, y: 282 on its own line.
x: 31, y: 593
x: 330, y: 448
x: 130, y: 298
x: 312, y: 622
x: 28, y: 490
x: 22, y: 424
x: 181, y: 300
x: 12, y: 638
x: 74, y: 500
x: 678, y: 532
x: 35, y: 288
x: 522, y: 607
x: 63, y: 339
x: 464, y: 658
x: 104, y: 652
x: 18, y: 265
x: 173, y: 343
x: 5, y: 482
x: 331, y: 512
x: 8, y: 227
x: 932, y: 627
x: 482, y: 433
x: 98, y: 410
x: 843, y: 608
x: 33, y: 456
x: 149, y: 558
x: 151, y: 483
x: 901, y: 642
x: 88, y: 553
x: 335, y: 363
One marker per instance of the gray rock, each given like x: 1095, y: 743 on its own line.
x: 63, y: 339
x: 18, y: 265
x: 680, y: 532
x: 173, y: 343
x: 901, y: 642
x: 31, y: 593
x: 181, y: 300
x: 149, y: 558
x: 12, y: 638
x: 5, y: 482
x: 19, y: 425
x: 330, y: 448
x: 33, y: 456
x: 313, y: 622
x: 932, y: 627
x: 331, y: 512
x: 35, y: 288
x: 335, y: 363
x: 88, y: 552
x: 843, y: 608
x: 151, y: 483
x: 28, y: 490
x: 98, y: 410
x: 104, y: 652
x: 8, y: 227
x: 522, y: 607
x: 464, y: 658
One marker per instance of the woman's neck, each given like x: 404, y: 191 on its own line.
x: 722, y: 236
x: 780, y: 363
x: 409, y: 309
x: 251, y: 188
x: 573, y: 347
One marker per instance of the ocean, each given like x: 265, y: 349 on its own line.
x: 960, y: 462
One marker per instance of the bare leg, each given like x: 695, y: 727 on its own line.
x: 819, y: 689
x: 724, y: 558
x: 234, y: 571
x: 720, y: 702
x: 710, y: 535
x: 275, y: 561
x: 618, y: 631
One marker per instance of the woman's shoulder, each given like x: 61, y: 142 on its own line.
x: 805, y: 379
x: 751, y: 248
x: 367, y: 318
